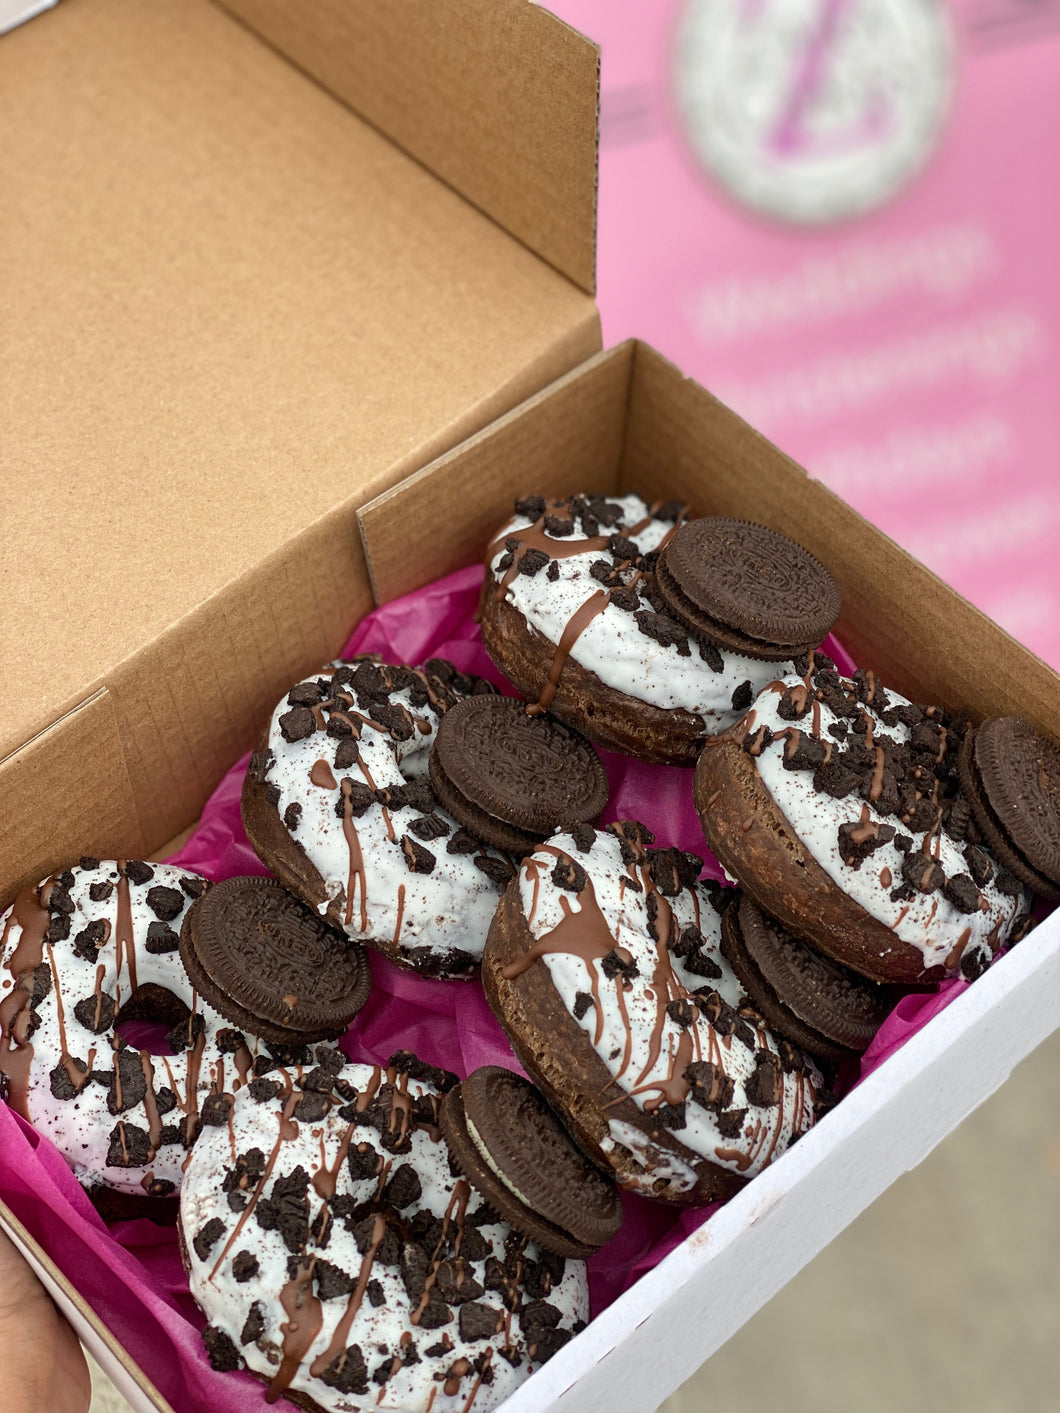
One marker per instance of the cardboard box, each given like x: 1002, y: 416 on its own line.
x: 278, y: 300
x: 234, y: 311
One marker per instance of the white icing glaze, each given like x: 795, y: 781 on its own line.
x: 766, y: 1131
x: 377, y: 1331
x: 613, y: 646
x: 449, y: 908
x: 928, y: 922
x: 659, y: 1161
x: 82, y: 1127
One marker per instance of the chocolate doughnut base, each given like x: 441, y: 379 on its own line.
x: 607, y: 716
x: 757, y: 845
x: 558, y: 1057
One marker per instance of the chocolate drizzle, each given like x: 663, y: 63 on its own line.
x: 357, y: 872
x: 16, y: 1051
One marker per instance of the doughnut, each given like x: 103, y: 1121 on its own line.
x: 604, y: 967
x: 334, y: 1252
x: 338, y: 805
x: 834, y: 804
x: 572, y: 614
x: 88, y: 948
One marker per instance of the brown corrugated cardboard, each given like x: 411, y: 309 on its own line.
x: 629, y: 420
x: 449, y: 84
x: 626, y: 419
x: 233, y: 312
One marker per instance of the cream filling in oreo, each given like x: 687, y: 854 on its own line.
x: 612, y: 646
x: 351, y: 1296
x: 361, y: 859
x: 644, y: 1048
x: 929, y: 922
x: 487, y: 1158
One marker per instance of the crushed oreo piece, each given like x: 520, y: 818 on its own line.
x: 711, y: 1086
x: 207, y: 1237
x: 215, y: 1110
x: 962, y: 893
x: 922, y: 873
x: 979, y: 865
x: 297, y: 724
x: 221, y: 1351
x: 347, y: 1372
x: 614, y: 964
x: 417, y: 858
x: 664, y: 630
x: 136, y: 871
x: 130, y: 1146
x: 766, y: 1083
x: 583, y: 1000
x: 161, y: 939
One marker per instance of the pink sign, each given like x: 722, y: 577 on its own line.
x: 842, y: 216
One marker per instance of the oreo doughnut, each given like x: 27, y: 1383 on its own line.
x: 572, y: 614
x: 835, y: 805
x: 336, y: 1255
x: 91, y: 947
x: 338, y: 805
x: 604, y: 967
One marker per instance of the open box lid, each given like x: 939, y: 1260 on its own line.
x: 234, y: 310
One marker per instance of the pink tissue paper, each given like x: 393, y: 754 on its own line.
x: 131, y: 1273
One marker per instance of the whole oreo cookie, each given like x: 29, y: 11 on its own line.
x: 512, y: 1150
x: 826, y: 1009
x: 1011, y: 775
x: 270, y: 964
x: 747, y: 588
x: 513, y: 778
x: 335, y: 1253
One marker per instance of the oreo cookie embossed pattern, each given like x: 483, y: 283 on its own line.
x: 270, y: 964
x: 747, y: 588
x: 338, y: 806
x: 334, y: 1252
x: 91, y: 947
x: 573, y: 616
x: 514, y: 778
x: 835, y: 804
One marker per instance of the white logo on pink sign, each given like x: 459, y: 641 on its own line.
x: 813, y: 110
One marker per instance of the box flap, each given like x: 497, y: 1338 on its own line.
x: 497, y: 97
x: 231, y: 308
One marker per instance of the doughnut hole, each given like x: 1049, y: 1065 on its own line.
x: 146, y: 1020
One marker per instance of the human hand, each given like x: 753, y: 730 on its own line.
x: 43, y: 1369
